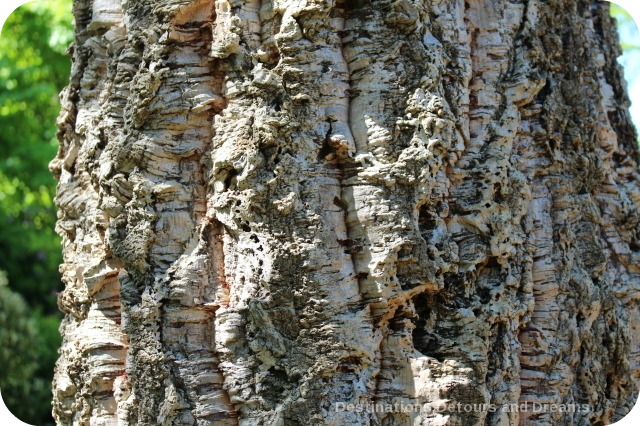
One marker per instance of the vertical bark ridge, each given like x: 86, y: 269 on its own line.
x: 577, y: 322
x: 168, y: 245
x: 88, y: 369
x: 470, y: 326
x: 196, y: 280
x: 405, y: 134
x: 137, y: 142
x: 287, y: 334
x: 616, y: 136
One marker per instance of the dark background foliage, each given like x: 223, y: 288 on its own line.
x: 33, y: 69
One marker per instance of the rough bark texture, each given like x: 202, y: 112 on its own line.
x: 271, y: 207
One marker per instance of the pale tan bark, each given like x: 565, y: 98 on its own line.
x: 272, y: 207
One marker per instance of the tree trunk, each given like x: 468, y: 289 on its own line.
x: 274, y: 209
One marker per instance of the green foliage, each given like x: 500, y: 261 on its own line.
x: 25, y: 351
x: 33, y: 70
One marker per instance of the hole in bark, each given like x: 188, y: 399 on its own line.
x: 580, y: 320
x: 492, y: 262
x: 426, y: 219
x: 424, y: 336
x: 427, y: 222
x: 227, y: 177
x: 327, y: 152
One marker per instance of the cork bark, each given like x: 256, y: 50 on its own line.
x: 271, y: 209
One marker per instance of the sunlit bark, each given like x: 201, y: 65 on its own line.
x: 271, y: 209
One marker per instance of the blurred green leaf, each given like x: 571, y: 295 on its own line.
x: 33, y: 69
x: 28, y: 347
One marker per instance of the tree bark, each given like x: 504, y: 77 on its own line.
x: 272, y: 209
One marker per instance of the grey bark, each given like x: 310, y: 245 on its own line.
x: 272, y: 207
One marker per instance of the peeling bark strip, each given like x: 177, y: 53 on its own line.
x: 272, y: 207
